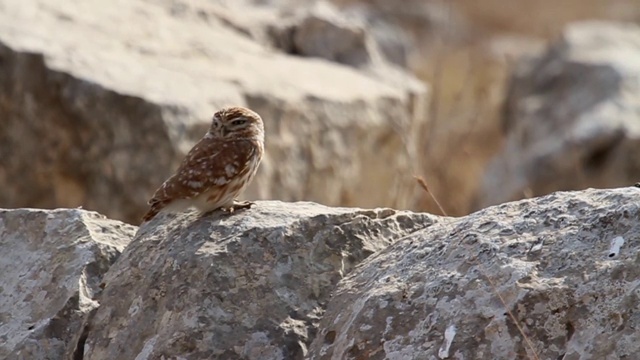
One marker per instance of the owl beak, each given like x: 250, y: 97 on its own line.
x: 224, y: 131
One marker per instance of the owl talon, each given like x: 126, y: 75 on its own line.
x: 231, y: 209
x: 238, y: 206
x: 243, y: 205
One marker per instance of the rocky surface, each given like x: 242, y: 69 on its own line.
x: 565, y: 266
x: 301, y: 280
x: 322, y: 31
x: 98, y: 107
x: 572, y: 116
x: 411, y: 33
x: 51, y: 267
x: 248, y: 286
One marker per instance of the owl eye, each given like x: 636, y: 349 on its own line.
x: 238, y: 122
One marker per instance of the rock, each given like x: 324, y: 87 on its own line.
x: 394, y: 43
x: 98, y: 108
x: 248, y: 286
x: 353, y: 36
x: 51, y: 267
x: 572, y: 116
x: 324, y: 32
x: 564, y: 267
x: 320, y: 30
x: 409, y: 33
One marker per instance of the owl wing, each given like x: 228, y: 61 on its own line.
x: 208, y: 164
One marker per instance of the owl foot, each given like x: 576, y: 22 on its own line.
x: 242, y: 205
x: 231, y: 209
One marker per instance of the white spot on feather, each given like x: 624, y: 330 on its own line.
x: 230, y: 169
x: 220, y: 181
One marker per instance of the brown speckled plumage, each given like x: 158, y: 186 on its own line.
x: 218, y: 168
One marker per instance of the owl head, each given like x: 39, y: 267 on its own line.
x: 236, y: 122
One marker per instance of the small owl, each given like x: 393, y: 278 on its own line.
x: 218, y: 168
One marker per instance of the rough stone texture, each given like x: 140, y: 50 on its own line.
x: 251, y: 286
x: 51, y: 266
x: 318, y: 29
x: 572, y: 117
x: 408, y: 33
x: 349, y: 35
x: 322, y: 31
x: 547, y: 261
x: 98, y: 107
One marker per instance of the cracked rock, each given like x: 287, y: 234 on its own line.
x: 252, y: 285
x: 454, y: 290
x: 51, y: 268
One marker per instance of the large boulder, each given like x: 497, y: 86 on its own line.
x: 352, y: 35
x: 572, y: 116
x: 98, y: 107
x: 51, y: 268
x: 252, y: 285
x: 548, y: 278
x: 552, y: 277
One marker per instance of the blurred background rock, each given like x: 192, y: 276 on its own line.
x: 488, y: 100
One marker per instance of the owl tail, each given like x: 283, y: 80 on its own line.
x: 154, y: 210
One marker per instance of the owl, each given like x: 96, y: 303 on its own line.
x: 217, y: 169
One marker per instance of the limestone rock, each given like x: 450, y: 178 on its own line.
x: 394, y: 43
x: 98, y: 107
x: 572, y: 116
x: 353, y: 35
x: 51, y: 267
x: 565, y: 266
x: 324, y: 33
x: 248, y: 286
x: 318, y: 29
x: 409, y: 31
